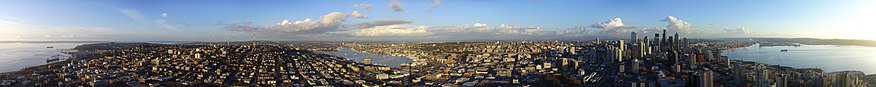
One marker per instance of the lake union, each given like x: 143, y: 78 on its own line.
x: 392, y: 61
x: 830, y: 58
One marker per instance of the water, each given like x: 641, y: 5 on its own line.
x: 15, y: 56
x: 391, y: 61
x: 830, y: 58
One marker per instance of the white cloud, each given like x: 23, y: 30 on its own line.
x: 397, y: 7
x: 676, y: 25
x: 133, y: 14
x: 326, y: 23
x: 394, y: 30
x: 163, y: 15
x: 367, y: 7
x: 437, y: 3
x: 612, y: 26
x: 740, y: 30
x: 356, y: 14
x: 377, y: 23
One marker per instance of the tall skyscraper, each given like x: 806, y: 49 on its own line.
x: 762, y: 78
x: 706, y: 78
x: 676, y: 42
x: 782, y: 81
x: 664, y: 37
x: 739, y: 76
x: 633, y: 37
x: 669, y: 43
x: 656, y: 43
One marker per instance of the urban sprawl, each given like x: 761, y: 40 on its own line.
x: 640, y: 61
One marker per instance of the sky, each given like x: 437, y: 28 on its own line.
x: 428, y: 20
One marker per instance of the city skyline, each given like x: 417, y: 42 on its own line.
x: 447, y: 20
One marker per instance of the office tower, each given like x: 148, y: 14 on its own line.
x: 739, y: 76
x: 669, y: 43
x: 640, y: 50
x: 717, y: 54
x: 692, y: 61
x: 621, y: 45
x: 782, y: 81
x: 684, y: 45
x: 647, y: 44
x: 677, y: 68
x: 633, y: 37
x: 597, y: 41
x: 676, y: 43
x: 664, y: 38
x: 847, y: 79
x: 762, y: 78
x: 614, y: 54
x: 635, y: 66
x: 706, y: 78
x: 656, y: 43
x: 708, y: 56
x: 620, y: 69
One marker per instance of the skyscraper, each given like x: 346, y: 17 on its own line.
x: 706, y: 78
x: 635, y: 66
x: 675, y: 42
x: 656, y: 43
x: 664, y: 37
x: 633, y: 37
x: 739, y: 76
x: 782, y: 81
x: 762, y: 78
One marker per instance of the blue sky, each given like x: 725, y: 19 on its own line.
x: 144, y: 20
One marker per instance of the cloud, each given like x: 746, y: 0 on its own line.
x: 356, y: 14
x: 576, y: 31
x: 677, y: 25
x: 241, y: 27
x: 377, y: 23
x: 437, y: 3
x: 397, y: 7
x: 326, y: 23
x: 164, y: 15
x: 367, y: 7
x: 740, y: 30
x: 612, y: 26
x: 133, y: 14
x: 164, y: 24
x: 395, y: 30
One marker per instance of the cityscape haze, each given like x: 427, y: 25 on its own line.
x: 429, y: 43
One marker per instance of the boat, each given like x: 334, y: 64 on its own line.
x: 50, y: 47
x: 784, y: 50
x: 53, y: 58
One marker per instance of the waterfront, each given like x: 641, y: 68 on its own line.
x: 392, y: 61
x: 830, y: 58
x: 15, y: 56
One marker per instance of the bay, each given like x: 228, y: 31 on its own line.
x: 15, y: 56
x: 830, y: 58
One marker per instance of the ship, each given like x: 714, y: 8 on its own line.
x: 784, y: 50
x: 50, y: 47
x: 53, y: 58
